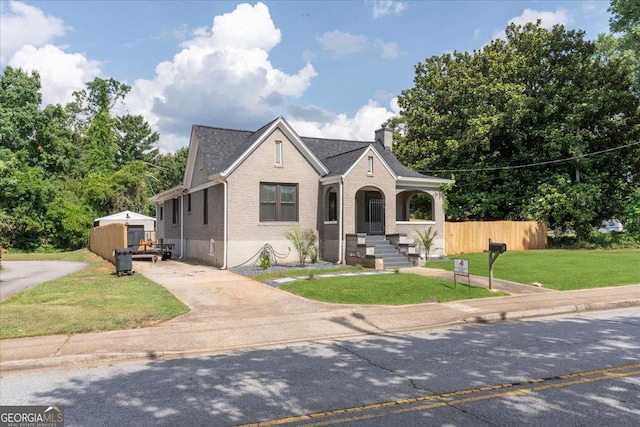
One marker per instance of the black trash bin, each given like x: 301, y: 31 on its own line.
x: 124, y: 261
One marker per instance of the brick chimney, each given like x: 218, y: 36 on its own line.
x: 384, y: 136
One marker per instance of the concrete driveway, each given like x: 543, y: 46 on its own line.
x: 220, y: 295
x: 18, y: 275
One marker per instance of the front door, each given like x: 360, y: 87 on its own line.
x: 374, y: 215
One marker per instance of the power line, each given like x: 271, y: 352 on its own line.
x: 548, y: 162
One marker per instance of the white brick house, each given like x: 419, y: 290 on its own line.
x: 244, y: 189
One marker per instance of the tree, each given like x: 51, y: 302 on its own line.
x: 19, y: 103
x: 136, y: 140
x: 62, y: 167
x: 519, y: 113
x: 625, y: 24
x: 170, y: 169
x: 101, y: 95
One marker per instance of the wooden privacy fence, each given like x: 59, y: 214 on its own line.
x: 470, y: 237
x: 106, y: 238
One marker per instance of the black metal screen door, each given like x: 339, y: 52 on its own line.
x: 376, y: 216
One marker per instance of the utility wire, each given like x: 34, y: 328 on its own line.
x: 548, y: 162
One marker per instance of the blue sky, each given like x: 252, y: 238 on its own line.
x: 331, y: 68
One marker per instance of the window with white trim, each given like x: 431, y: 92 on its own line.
x: 279, y: 159
x: 370, y: 165
x: 331, y: 204
x: 278, y: 202
x: 175, y: 211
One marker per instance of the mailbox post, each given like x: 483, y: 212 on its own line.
x: 495, y: 249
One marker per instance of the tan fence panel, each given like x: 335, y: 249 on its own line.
x: 473, y: 236
x: 106, y: 238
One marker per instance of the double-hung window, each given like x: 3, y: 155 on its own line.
x: 278, y: 202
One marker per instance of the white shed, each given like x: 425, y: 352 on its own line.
x: 139, y: 227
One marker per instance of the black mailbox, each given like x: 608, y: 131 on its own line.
x: 499, y: 248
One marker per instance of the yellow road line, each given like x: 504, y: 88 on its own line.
x: 445, y: 399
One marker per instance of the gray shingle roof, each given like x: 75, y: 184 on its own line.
x: 221, y: 147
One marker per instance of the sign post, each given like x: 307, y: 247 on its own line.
x: 461, y: 268
x: 495, y: 249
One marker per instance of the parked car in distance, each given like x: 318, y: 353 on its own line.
x: 611, y: 226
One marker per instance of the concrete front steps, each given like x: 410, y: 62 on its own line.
x: 382, y: 248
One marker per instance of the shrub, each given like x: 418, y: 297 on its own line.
x: 305, y: 242
x: 426, y: 240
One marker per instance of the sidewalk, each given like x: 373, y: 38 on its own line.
x: 231, y: 312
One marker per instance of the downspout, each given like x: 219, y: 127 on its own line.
x: 340, y: 225
x: 182, y: 226
x: 224, y: 256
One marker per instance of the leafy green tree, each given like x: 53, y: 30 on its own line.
x: 71, y: 221
x: 623, y: 43
x: 100, y: 95
x: 565, y: 205
x: 62, y: 167
x: 27, y: 196
x: 502, y: 121
x: 632, y: 214
x: 170, y: 169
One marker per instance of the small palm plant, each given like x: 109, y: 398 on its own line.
x: 303, y: 241
x: 426, y: 239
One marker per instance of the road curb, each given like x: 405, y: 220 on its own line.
x: 551, y: 311
x: 88, y: 360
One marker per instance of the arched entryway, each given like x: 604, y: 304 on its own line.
x: 370, y: 211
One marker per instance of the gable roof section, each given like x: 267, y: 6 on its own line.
x: 223, y: 150
x: 340, y: 155
x: 218, y: 147
x: 259, y: 136
x: 124, y: 215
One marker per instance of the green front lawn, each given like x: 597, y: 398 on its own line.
x: 92, y: 299
x: 558, y: 269
x: 387, y: 289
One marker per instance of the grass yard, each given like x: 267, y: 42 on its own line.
x: 387, y: 289
x: 89, y: 300
x: 558, y: 269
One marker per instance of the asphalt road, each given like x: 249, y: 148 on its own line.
x: 18, y: 275
x: 580, y: 370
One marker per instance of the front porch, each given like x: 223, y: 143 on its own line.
x: 381, y: 252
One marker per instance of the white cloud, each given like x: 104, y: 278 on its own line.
x: 246, y: 27
x: 60, y: 73
x: 548, y: 19
x: 386, y: 7
x: 222, y: 76
x: 342, y: 43
x: 21, y: 24
x: 388, y: 50
x: 359, y: 127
